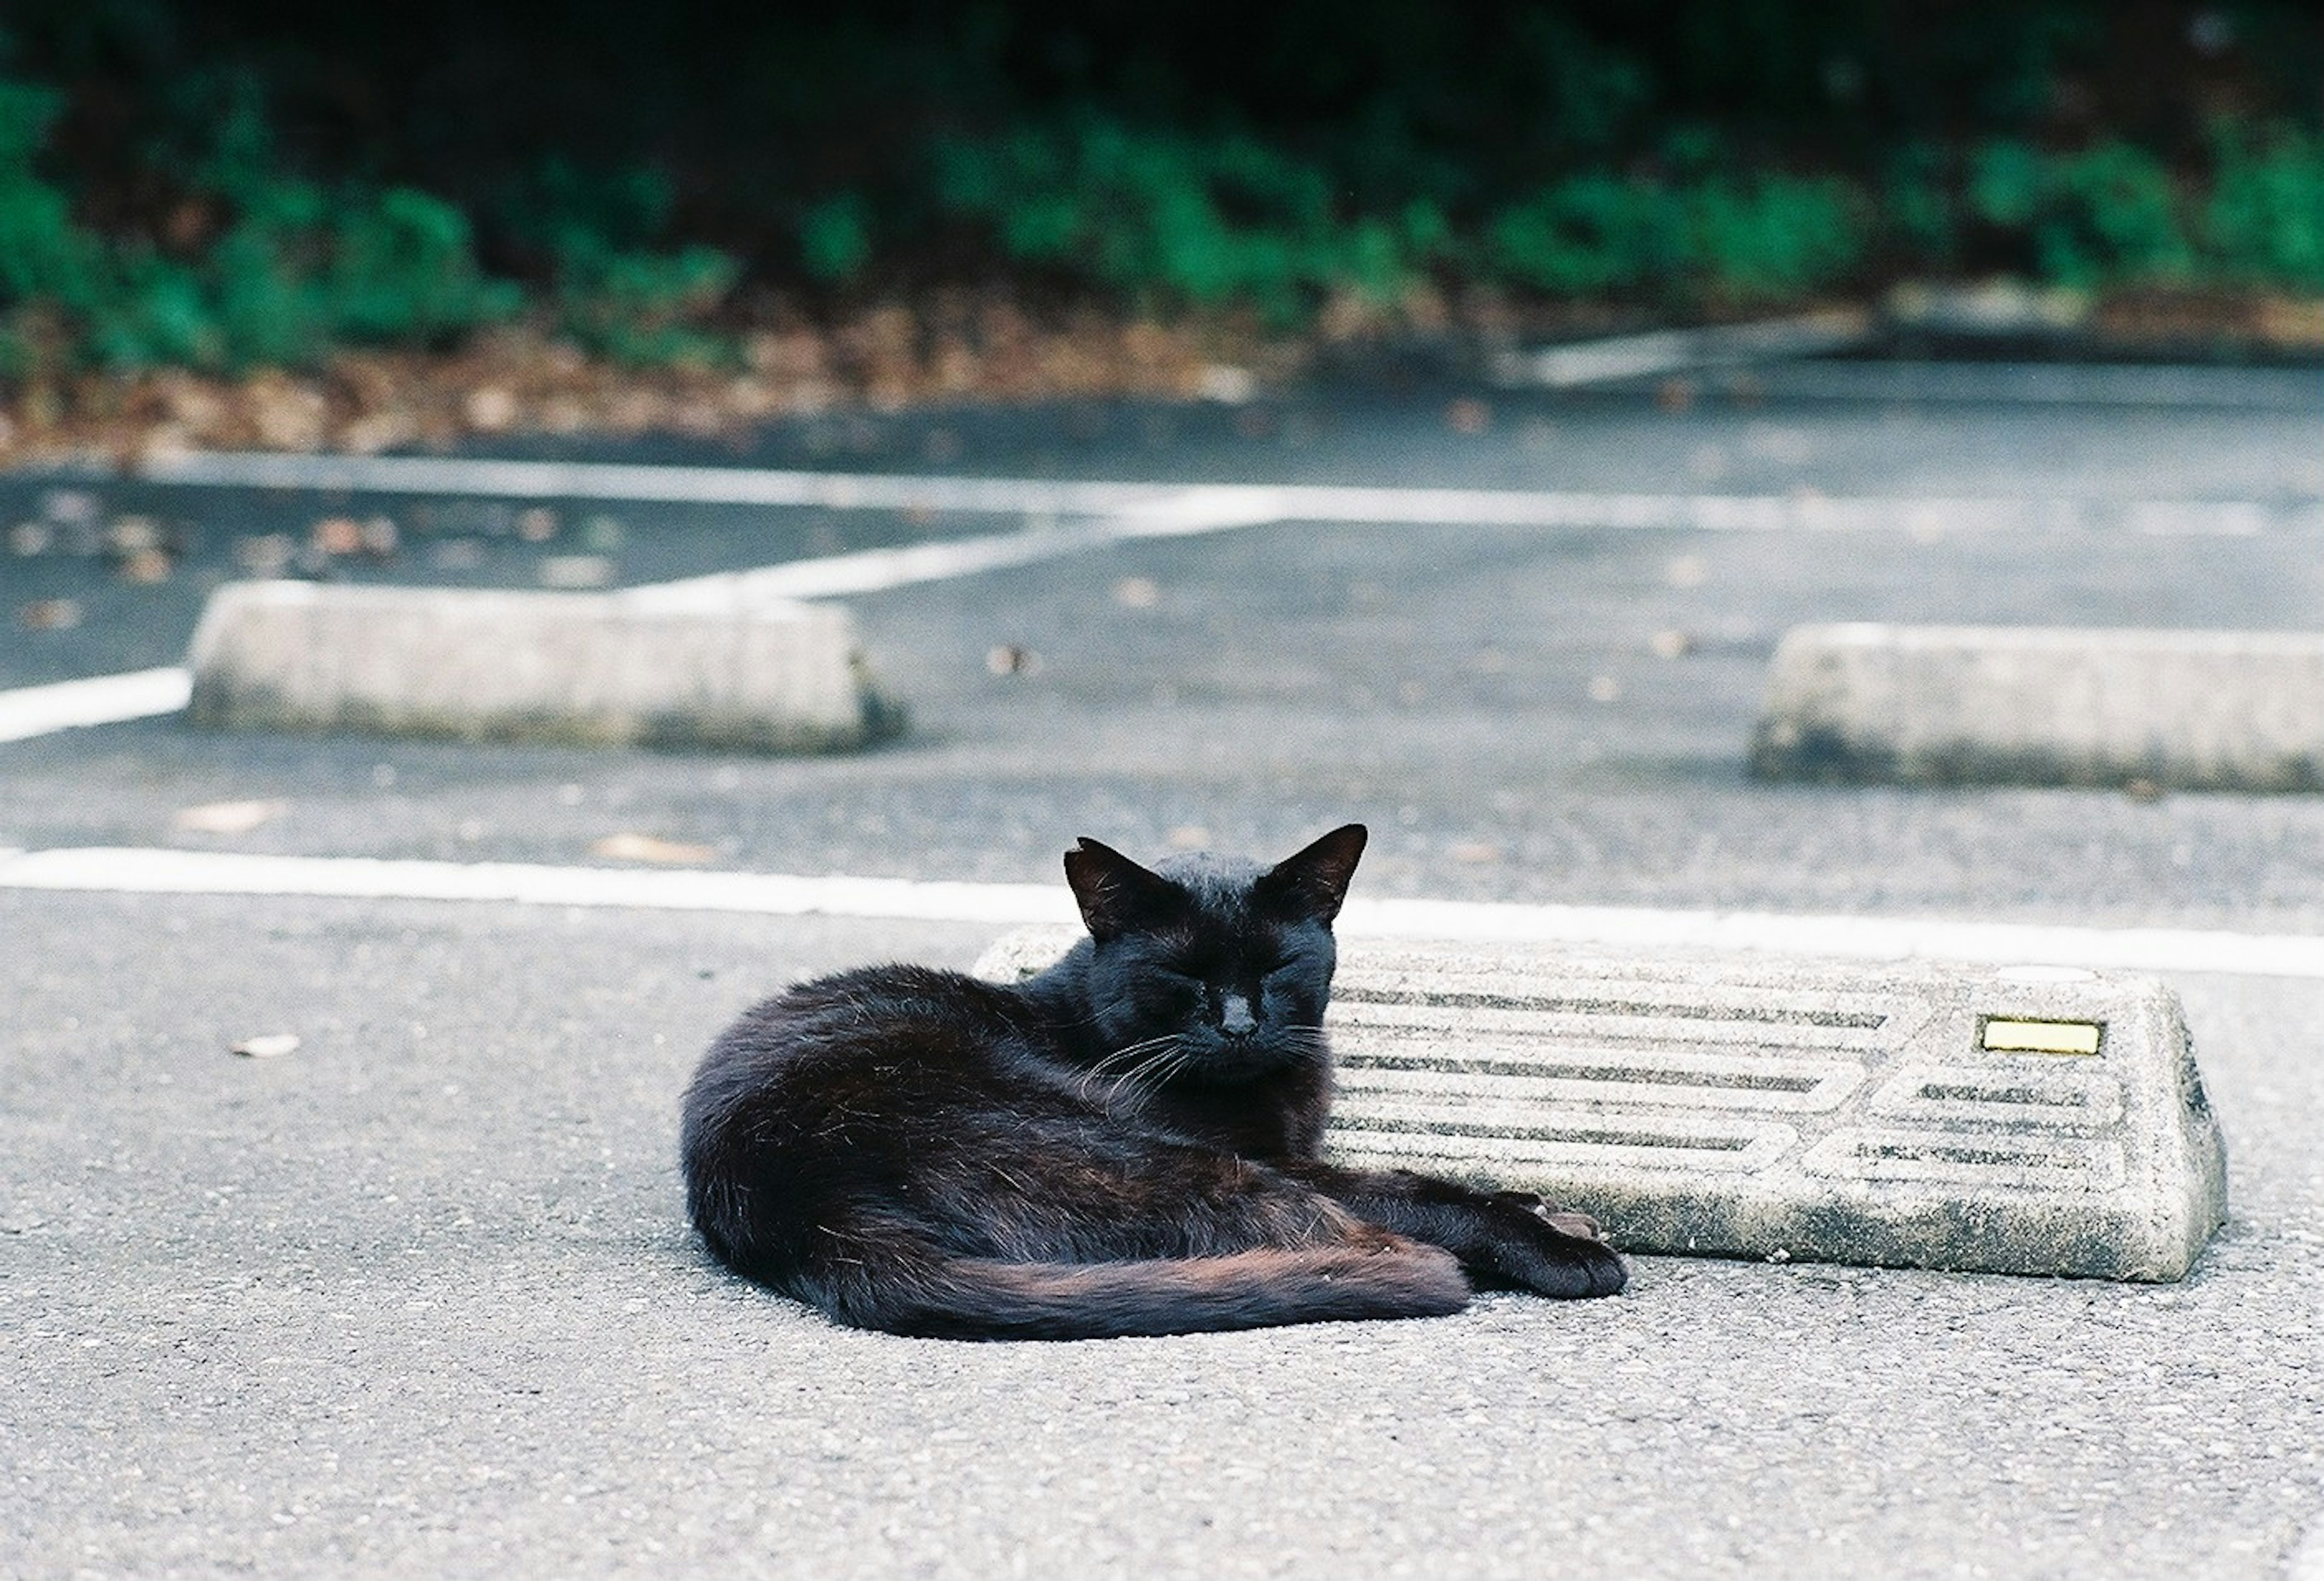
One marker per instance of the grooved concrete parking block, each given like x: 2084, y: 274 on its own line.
x: 1964, y: 705
x: 586, y: 668
x: 2041, y: 1120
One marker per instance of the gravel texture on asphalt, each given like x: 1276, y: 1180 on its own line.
x: 419, y: 1296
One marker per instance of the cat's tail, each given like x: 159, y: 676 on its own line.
x: 910, y: 1290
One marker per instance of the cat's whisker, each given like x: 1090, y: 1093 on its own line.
x: 1163, y: 1049
x: 1128, y: 1051
x: 1131, y: 1054
x: 1143, y: 1079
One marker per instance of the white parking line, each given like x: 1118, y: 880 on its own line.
x: 1189, y: 512
x: 1159, y: 503
x: 133, y: 871
x: 676, y: 485
x: 36, y: 711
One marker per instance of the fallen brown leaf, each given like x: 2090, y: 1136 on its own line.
x: 146, y: 567
x: 339, y: 535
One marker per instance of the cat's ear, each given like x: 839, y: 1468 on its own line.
x: 1116, y: 894
x: 1310, y: 886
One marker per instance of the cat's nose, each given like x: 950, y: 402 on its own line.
x: 1235, y: 1017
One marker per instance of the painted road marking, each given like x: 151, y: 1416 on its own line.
x: 36, y: 711
x: 1191, y: 512
x: 1057, y: 499
x: 160, y: 871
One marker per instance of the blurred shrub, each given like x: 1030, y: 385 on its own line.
x: 645, y: 307
x: 1171, y: 219
x: 2264, y: 222
x: 50, y: 268
x: 615, y: 290
x: 2113, y: 213
x: 836, y: 239
x: 295, y: 271
x: 1767, y: 238
x: 403, y: 268
x: 1738, y: 239
x: 2105, y: 213
x: 1590, y: 235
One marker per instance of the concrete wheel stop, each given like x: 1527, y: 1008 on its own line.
x: 588, y: 669
x: 2037, y: 1120
x: 2234, y: 711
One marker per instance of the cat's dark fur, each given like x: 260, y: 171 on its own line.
x: 1126, y: 1144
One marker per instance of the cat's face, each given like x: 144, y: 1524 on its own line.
x: 1222, y: 967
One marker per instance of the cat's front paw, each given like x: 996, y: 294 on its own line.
x: 1565, y: 1220
x: 1557, y: 1252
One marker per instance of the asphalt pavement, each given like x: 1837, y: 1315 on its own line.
x: 419, y: 1296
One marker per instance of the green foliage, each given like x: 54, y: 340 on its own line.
x: 2264, y: 222
x: 1739, y: 240
x: 48, y: 264
x: 1179, y: 220
x: 2109, y: 212
x: 1765, y: 239
x: 296, y: 270
x: 1915, y: 204
x: 1590, y: 235
x: 836, y: 238
x: 614, y: 291
x: 641, y: 306
x: 403, y: 268
x: 559, y: 207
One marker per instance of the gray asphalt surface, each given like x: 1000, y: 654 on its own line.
x: 419, y: 1296
x: 417, y: 1299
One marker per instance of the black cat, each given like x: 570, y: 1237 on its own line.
x: 1126, y: 1144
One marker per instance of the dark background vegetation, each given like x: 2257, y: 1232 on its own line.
x: 220, y: 183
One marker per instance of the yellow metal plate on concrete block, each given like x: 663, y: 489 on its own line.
x: 2040, y: 1037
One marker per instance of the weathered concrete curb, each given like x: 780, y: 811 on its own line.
x: 1963, y: 705
x: 584, y: 669
x: 2018, y: 1120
